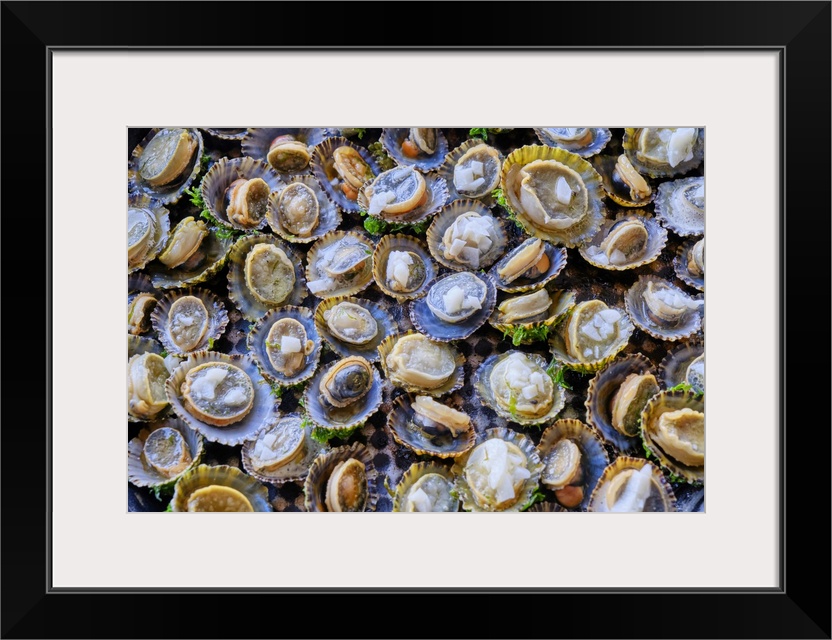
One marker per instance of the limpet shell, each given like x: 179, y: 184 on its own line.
x: 227, y: 133
x: 671, y: 401
x: 256, y: 143
x: 136, y: 345
x: 314, y: 487
x: 601, y: 392
x: 548, y: 507
x: 428, y: 323
x: 654, y: 166
x: 222, y: 475
x: 680, y: 265
x: 138, y: 284
x: 341, y: 418
x: 401, y: 242
x: 250, y: 306
x: 447, y: 216
x: 142, y: 474
x: 674, y: 368
x: 399, y: 423
x: 687, y: 324
x: 560, y: 353
x: 139, y: 348
x: 161, y: 230
x: 345, y: 285
x: 530, y: 485
x: 414, y: 474
x: 258, y: 337
x: 556, y: 257
x: 561, y: 303
x: 295, y: 466
x: 661, y: 496
x: 263, y: 413
x: 576, y: 233
x: 617, y: 190
x: 329, y: 216
x: 680, y: 205
x: 168, y: 193
x: 446, y: 170
x: 594, y: 457
x: 483, y: 387
x: 593, y: 141
x: 216, y: 319
x: 454, y: 381
x: 207, y: 262
x: 323, y: 170
x: 224, y: 172
x: 391, y: 140
x: 594, y: 252
x: 436, y: 194
x: 385, y: 324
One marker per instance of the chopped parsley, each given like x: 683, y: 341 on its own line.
x: 500, y: 197
x: 684, y: 386
x: 324, y: 435
x: 521, y: 335
x: 557, y: 373
x: 537, y: 496
x: 479, y: 132
x: 221, y: 230
x: 378, y: 227
x: 384, y: 161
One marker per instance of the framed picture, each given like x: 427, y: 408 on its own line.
x: 93, y: 74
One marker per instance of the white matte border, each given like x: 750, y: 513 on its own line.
x: 735, y: 544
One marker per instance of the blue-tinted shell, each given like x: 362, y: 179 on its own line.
x: 435, y: 327
x: 592, y: 141
x: 594, y: 457
x: 392, y: 139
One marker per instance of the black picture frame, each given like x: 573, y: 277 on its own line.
x: 799, y: 607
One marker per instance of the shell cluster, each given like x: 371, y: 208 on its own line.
x: 415, y: 319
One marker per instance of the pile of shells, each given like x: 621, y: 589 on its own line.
x: 416, y: 319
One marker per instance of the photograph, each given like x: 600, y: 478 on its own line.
x: 481, y: 319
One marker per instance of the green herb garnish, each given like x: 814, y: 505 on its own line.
x: 210, y: 343
x: 273, y: 345
x: 164, y: 353
x: 478, y: 132
x: 324, y: 435
x: 204, y: 161
x: 195, y: 196
x: 556, y: 373
x: 537, y: 496
x: 500, y: 197
x: 360, y: 133
x: 169, y: 508
x: 512, y: 404
x: 521, y: 335
x: 384, y: 161
x: 684, y: 386
x: 379, y: 227
x: 163, y: 492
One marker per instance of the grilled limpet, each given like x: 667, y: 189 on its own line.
x: 217, y: 393
x: 146, y: 375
